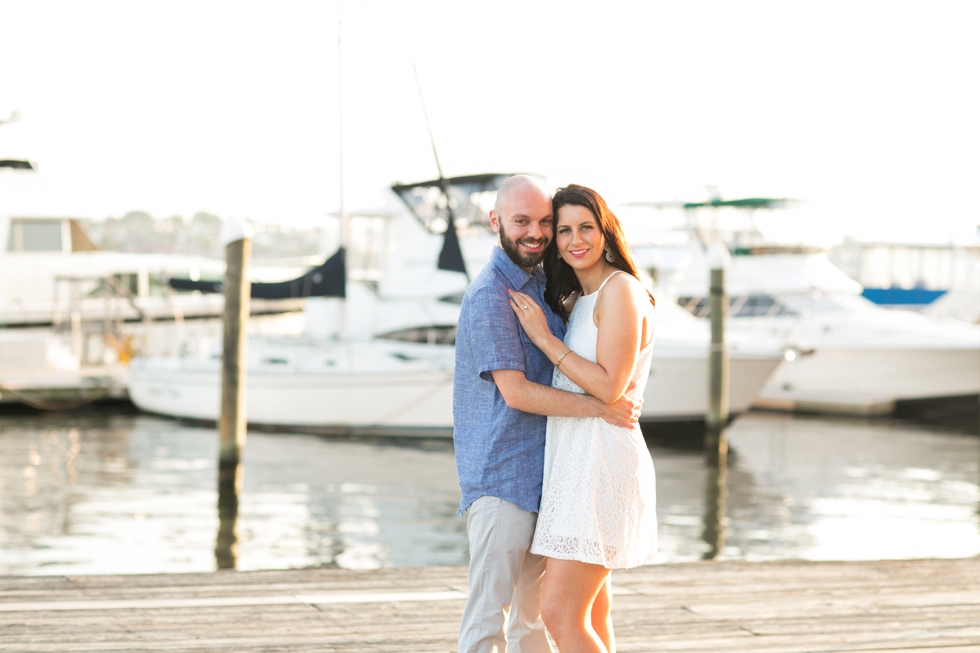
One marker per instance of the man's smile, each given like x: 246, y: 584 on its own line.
x: 533, y: 245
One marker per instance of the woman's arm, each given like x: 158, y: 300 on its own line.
x: 619, y: 314
x: 521, y: 394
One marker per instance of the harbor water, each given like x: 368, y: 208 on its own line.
x: 109, y: 490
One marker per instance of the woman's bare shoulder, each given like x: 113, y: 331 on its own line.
x: 623, y: 290
x: 625, y: 284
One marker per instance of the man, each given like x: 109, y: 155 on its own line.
x: 501, y: 395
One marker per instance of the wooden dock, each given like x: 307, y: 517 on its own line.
x: 891, y: 606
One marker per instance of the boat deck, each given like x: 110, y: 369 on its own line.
x: 912, y: 606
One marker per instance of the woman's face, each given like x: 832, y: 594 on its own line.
x: 578, y: 237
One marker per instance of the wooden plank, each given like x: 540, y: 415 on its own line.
x: 780, y: 607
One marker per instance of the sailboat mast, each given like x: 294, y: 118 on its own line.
x: 344, y: 217
x: 444, y: 184
x: 432, y: 140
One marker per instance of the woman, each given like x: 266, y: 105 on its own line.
x: 598, y: 503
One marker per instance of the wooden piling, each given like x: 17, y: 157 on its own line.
x: 231, y: 424
x: 715, y: 442
x: 715, y: 506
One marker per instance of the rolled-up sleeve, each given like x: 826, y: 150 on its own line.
x: 496, y: 342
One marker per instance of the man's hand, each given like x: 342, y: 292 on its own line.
x: 624, y: 411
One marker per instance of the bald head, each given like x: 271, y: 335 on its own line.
x: 518, y: 190
x: 522, y: 218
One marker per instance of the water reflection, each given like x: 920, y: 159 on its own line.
x: 102, y: 492
x: 226, y: 546
x: 835, y: 490
x: 715, y: 505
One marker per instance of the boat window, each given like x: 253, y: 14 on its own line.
x: 34, y: 236
x: 158, y: 286
x: 755, y: 305
x: 697, y: 306
x: 455, y: 298
x: 41, y: 236
x: 738, y: 306
x: 432, y: 335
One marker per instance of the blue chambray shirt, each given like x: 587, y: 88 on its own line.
x: 499, y: 450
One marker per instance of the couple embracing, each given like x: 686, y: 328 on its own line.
x: 552, y: 355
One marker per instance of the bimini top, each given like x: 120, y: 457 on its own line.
x: 471, y: 197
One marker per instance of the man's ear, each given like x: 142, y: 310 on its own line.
x: 495, y: 221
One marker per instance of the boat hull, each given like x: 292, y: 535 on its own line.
x: 407, y: 402
x: 871, y: 380
x: 419, y: 401
x: 677, y: 390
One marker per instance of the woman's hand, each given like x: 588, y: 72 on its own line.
x: 531, y: 316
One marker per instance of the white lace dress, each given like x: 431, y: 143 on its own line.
x: 598, y: 502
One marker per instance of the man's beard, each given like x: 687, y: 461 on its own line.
x: 512, y: 249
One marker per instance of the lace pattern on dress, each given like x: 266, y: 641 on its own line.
x: 598, y: 503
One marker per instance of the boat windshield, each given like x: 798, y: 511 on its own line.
x: 470, y: 197
x: 815, y: 303
x: 738, y: 306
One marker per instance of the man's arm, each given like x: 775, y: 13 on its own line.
x: 521, y: 394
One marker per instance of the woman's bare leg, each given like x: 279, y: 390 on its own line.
x: 570, y: 589
x: 602, y: 615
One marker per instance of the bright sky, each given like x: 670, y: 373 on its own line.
x: 867, y: 110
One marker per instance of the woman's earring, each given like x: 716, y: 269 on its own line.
x: 609, y: 256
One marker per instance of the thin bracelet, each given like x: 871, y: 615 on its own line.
x: 562, y: 357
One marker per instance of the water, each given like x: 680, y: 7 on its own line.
x: 109, y: 491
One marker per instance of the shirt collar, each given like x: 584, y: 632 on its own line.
x: 515, y: 274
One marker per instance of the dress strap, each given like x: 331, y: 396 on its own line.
x: 606, y: 280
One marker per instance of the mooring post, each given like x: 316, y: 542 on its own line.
x: 236, y: 236
x: 715, y: 443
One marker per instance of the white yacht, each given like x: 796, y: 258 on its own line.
x: 380, y: 385
x: 853, y: 355
x: 49, y: 269
x: 390, y: 367
x: 65, y: 305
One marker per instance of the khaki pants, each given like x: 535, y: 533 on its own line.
x: 505, y: 581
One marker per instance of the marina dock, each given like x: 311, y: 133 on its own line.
x: 785, y: 607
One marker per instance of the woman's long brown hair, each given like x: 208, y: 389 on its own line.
x: 562, y: 281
